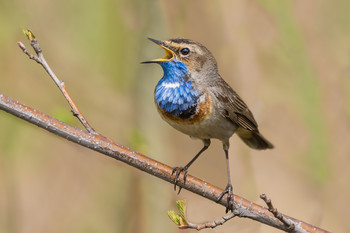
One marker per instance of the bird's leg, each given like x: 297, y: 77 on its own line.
x: 178, y: 170
x: 228, y: 190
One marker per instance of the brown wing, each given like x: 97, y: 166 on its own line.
x: 234, y: 107
x: 237, y: 111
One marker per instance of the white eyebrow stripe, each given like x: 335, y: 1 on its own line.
x: 171, y: 85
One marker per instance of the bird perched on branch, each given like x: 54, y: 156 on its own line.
x: 194, y: 99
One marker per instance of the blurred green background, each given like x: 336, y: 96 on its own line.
x: 289, y: 60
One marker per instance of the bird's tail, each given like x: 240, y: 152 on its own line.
x: 254, y: 139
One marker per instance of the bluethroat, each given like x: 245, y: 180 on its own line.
x: 194, y: 99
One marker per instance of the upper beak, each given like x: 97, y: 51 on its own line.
x: 168, y: 53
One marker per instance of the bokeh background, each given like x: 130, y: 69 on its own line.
x: 289, y: 60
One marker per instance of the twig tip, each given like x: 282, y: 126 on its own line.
x: 21, y: 45
x: 29, y: 34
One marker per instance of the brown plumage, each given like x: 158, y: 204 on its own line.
x: 234, y: 109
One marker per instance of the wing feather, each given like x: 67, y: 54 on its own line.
x: 234, y: 107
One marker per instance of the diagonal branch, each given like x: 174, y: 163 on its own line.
x: 243, y: 208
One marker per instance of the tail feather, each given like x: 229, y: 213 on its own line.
x: 254, y: 139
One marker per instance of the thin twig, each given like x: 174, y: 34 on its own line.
x: 60, y: 84
x: 289, y: 223
x: 212, y: 224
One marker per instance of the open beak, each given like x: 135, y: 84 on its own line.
x: 168, y: 53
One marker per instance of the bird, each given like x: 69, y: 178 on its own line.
x: 194, y: 99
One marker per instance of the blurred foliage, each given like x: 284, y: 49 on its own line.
x: 289, y: 60
x: 306, y: 87
x: 137, y: 140
x: 63, y: 115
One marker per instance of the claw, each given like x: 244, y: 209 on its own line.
x: 177, y: 171
x: 230, y: 199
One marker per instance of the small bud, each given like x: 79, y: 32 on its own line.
x: 181, y: 205
x: 28, y: 34
x: 174, y: 217
x: 179, y: 219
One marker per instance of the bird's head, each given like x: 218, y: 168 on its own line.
x: 197, y: 58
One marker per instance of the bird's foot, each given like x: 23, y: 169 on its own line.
x: 177, y: 171
x: 230, y: 199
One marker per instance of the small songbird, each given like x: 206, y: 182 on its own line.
x: 194, y: 99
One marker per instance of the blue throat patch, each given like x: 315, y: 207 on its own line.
x: 174, y: 92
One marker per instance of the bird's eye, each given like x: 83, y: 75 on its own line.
x: 185, y: 51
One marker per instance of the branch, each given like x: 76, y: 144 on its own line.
x: 92, y: 140
x: 243, y: 208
